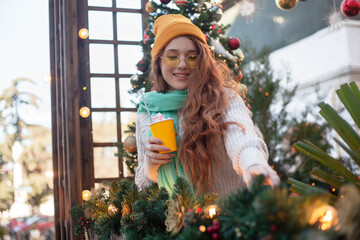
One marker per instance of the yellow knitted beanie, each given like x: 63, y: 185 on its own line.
x: 168, y: 27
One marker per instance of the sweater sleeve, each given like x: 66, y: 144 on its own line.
x: 146, y: 174
x: 244, y: 147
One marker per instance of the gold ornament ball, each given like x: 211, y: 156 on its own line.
x: 112, y: 209
x: 150, y: 7
x: 130, y: 144
x: 242, y: 90
x: 286, y: 4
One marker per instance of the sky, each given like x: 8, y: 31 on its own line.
x: 24, y: 53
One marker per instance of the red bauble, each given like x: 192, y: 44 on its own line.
x: 142, y: 65
x: 165, y: 1
x: 215, y: 236
x: 350, y: 8
x: 274, y: 228
x: 181, y: 3
x: 234, y: 43
x: 215, y: 227
x: 210, y: 229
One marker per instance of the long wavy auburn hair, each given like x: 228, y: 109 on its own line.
x: 201, y: 114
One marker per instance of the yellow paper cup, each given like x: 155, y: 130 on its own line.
x: 165, y: 131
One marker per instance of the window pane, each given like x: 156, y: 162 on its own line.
x: 100, y: 3
x: 129, y: 56
x: 129, y: 26
x: 103, y: 93
x: 106, y: 164
x: 127, y: 118
x: 127, y: 100
x: 100, y: 25
x: 104, y: 126
x: 134, y: 4
x: 101, y: 58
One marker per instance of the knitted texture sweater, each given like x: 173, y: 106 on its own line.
x: 237, y: 151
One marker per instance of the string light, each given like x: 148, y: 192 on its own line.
x: 86, y: 194
x: 202, y: 228
x: 84, y: 112
x: 325, y: 216
x: 83, y: 33
x: 84, y: 88
x: 212, y: 210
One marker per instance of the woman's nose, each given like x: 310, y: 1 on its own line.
x: 182, y: 63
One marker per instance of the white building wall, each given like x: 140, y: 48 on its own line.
x: 328, y: 57
x: 318, y: 65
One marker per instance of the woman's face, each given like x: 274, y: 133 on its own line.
x: 178, y: 62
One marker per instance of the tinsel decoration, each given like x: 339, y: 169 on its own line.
x: 334, y: 18
x: 247, y: 8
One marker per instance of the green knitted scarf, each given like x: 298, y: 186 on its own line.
x: 167, y: 104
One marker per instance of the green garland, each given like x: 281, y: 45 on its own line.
x: 261, y: 213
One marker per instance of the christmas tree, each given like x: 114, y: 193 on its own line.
x: 203, y: 13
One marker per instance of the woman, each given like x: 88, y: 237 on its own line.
x: 218, y: 148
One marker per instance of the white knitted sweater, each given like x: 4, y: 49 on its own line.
x: 238, y: 150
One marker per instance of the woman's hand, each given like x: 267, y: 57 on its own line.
x: 271, y: 178
x: 152, y: 149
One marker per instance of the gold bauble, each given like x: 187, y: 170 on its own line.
x: 112, y: 209
x: 242, y: 90
x: 286, y: 4
x: 130, y: 144
x: 150, y: 7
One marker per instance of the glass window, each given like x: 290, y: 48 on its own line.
x: 129, y: 26
x: 104, y: 126
x: 101, y: 58
x: 103, y: 93
x: 129, y: 56
x: 106, y: 164
x: 100, y: 25
x: 100, y: 3
x: 127, y: 118
x: 127, y: 100
x: 133, y: 4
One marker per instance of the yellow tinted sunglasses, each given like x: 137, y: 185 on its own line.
x: 172, y: 60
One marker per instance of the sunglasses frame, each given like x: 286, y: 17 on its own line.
x: 162, y: 57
